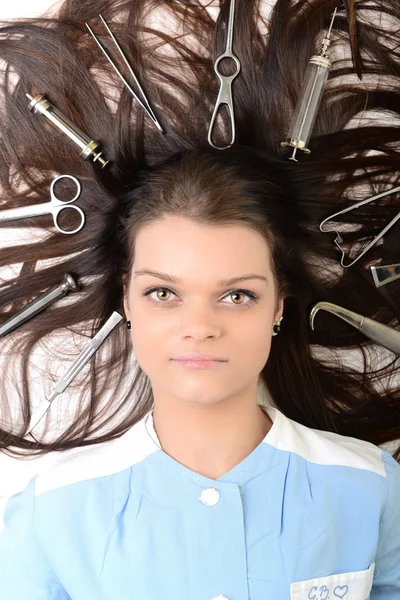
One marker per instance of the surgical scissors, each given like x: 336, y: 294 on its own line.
x: 338, y: 239
x: 225, y: 90
x: 54, y: 207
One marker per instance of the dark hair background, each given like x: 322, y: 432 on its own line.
x: 308, y: 374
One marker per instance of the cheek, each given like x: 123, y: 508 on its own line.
x: 149, y: 335
x: 252, y: 344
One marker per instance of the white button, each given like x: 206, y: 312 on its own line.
x: 210, y: 496
x: 220, y: 598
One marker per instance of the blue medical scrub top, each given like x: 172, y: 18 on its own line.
x: 307, y: 515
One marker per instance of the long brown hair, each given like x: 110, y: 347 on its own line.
x: 308, y: 373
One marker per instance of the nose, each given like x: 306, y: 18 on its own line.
x: 200, y: 322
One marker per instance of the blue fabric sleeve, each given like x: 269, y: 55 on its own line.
x: 386, y: 584
x: 24, y: 570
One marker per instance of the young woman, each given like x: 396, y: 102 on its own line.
x: 181, y: 484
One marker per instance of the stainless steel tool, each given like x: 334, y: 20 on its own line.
x: 382, y: 334
x: 225, y: 91
x: 88, y: 147
x: 338, y: 240
x: 385, y: 274
x: 75, y: 368
x: 54, y: 207
x: 145, y: 104
x: 59, y: 290
x: 310, y: 98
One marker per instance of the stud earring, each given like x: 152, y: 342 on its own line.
x: 276, y: 327
x: 128, y: 325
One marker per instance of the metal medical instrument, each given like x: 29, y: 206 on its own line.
x: 68, y: 284
x: 309, y: 101
x: 40, y: 104
x: 338, y: 240
x: 76, y: 367
x: 225, y: 90
x: 54, y: 207
x: 145, y: 103
x: 385, y: 274
x: 382, y: 334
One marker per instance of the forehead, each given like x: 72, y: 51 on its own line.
x: 191, y: 251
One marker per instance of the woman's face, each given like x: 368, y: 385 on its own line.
x: 198, y: 314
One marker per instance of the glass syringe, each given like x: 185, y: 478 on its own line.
x: 310, y: 98
x: 40, y: 104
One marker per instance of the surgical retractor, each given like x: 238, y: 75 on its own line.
x: 338, y: 239
x: 89, y: 148
x: 310, y: 98
x: 68, y: 284
x: 381, y: 334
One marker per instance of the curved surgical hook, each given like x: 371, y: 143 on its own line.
x: 382, y: 334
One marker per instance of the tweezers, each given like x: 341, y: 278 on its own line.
x: 145, y: 104
x: 338, y: 240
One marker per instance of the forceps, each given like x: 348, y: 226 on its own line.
x: 54, y: 207
x: 225, y: 90
x: 338, y: 240
x: 145, y: 104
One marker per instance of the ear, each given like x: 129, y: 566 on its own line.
x: 126, y: 309
x: 125, y: 298
x: 279, y: 310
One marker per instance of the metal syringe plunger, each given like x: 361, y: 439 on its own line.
x: 40, y: 104
x: 310, y: 98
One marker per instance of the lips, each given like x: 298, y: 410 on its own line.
x: 199, y: 364
x: 198, y: 357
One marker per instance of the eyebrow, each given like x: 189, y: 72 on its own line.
x: 221, y: 282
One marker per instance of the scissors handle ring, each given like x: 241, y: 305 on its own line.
x: 78, y: 188
x: 60, y: 205
x: 56, y: 214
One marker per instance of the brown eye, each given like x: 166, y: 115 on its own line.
x: 162, y: 291
x: 237, y: 294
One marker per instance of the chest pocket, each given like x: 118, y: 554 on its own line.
x: 343, y: 586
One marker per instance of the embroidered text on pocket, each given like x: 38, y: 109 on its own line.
x: 356, y: 585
